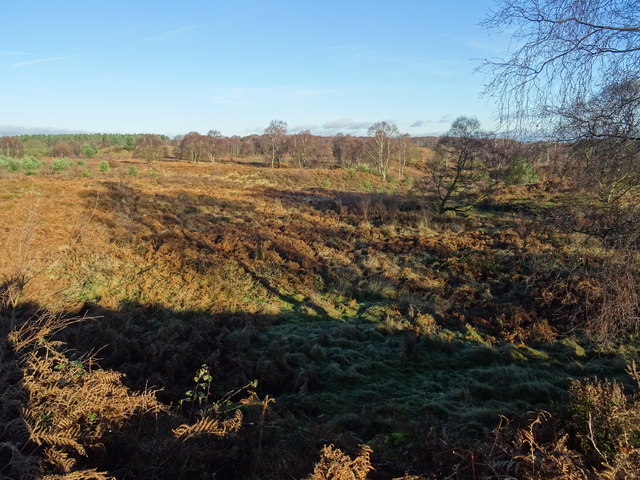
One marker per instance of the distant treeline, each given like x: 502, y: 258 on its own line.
x: 302, y: 149
x: 382, y: 149
x: 67, y: 144
x: 106, y: 139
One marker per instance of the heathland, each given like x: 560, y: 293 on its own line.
x: 166, y: 318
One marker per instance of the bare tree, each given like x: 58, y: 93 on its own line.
x: 603, y: 133
x: 459, y: 177
x: 195, y: 148
x: 63, y: 149
x: 575, y: 70
x: 150, y: 148
x: 11, y: 147
x: 322, y: 152
x: 234, y: 146
x: 407, y: 150
x: 217, y: 143
x: 382, y: 145
x: 347, y: 150
x: 275, y: 136
x: 302, y: 145
x: 563, y: 50
x: 249, y: 145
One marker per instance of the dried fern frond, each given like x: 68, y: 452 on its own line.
x: 60, y: 439
x: 66, y: 406
x: 59, y: 458
x: 625, y: 466
x: 633, y: 372
x: 524, y: 456
x: 39, y: 327
x: 91, y: 474
x: 209, y: 426
x: 335, y: 465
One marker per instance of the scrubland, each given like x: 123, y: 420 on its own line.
x: 229, y: 320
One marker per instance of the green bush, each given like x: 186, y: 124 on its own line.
x: 28, y: 164
x: 133, y: 171
x: 520, y: 172
x: 104, y: 166
x: 9, y: 164
x: 89, y: 150
x: 60, y: 164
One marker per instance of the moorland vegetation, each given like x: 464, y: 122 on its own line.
x: 294, y: 306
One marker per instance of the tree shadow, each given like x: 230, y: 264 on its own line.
x: 316, y: 245
x: 342, y: 353
x: 16, y: 456
x: 342, y: 382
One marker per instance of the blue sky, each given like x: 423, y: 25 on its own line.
x: 175, y: 67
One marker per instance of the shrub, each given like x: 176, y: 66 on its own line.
x: 60, y: 164
x: 89, y: 150
x: 9, y: 164
x: 28, y: 164
x: 133, y: 171
x: 104, y: 166
x: 605, y: 420
x: 520, y: 172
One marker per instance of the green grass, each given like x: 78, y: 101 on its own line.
x: 345, y: 371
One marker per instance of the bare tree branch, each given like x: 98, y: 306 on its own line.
x: 561, y: 50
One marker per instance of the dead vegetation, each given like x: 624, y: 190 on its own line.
x: 371, y: 320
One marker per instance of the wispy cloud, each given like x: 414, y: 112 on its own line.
x: 345, y: 124
x: 41, y: 60
x: 170, y: 33
x: 241, y: 96
x: 417, y: 124
x: 303, y: 127
x: 16, y: 53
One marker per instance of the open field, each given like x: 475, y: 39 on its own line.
x: 367, y: 318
